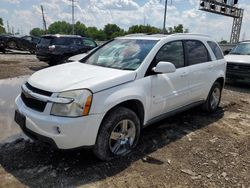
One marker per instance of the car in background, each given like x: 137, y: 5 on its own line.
x: 238, y: 63
x: 25, y: 43
x: 56, y: 49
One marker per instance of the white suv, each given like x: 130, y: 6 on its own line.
x: 104, y: 100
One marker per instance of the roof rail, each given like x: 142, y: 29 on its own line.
x: 194, y: 34
x: 136, y: 34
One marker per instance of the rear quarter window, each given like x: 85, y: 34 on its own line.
x: 197, y: 52
x: 216, y: 50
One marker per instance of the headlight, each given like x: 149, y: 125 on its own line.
x: 79, y: 107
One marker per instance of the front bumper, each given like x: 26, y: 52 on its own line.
x: 60, y: 132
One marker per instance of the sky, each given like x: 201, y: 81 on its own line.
x: 24, y: 15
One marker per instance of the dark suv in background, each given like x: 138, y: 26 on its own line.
x: 56, y: 49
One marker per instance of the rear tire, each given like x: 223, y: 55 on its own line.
x: 214, y: 97
x: 118, y: 135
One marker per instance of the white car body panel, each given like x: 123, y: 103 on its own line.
x: 77, y: 75
x: 158, y: 94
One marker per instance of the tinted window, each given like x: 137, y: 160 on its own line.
x: 45, y: 41
x: 61, y: 41
x: 197, y: 52
x: 36, y: 40
x: 88, y: 42
x: 27, y: 38
x: 172, y: 52
x: 216, y: 50
x: 76, y: 41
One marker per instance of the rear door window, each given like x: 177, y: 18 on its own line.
x: 216, y: 50
x: 196, y: 52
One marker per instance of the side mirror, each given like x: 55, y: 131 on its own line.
x: 164, y: 67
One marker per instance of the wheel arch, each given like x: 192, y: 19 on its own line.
x: 133, y: 104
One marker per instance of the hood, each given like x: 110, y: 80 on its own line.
x: 238, y: 58
x: 78, y: 75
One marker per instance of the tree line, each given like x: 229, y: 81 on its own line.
x: 108, y: 32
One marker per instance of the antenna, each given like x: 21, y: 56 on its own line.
x: 44, y: 22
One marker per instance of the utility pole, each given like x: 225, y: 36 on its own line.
x: 44, y: 22
x: 165, y: 14
x: 73, y: 15
x: 8, y: 27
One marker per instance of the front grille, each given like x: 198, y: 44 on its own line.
x: 34, y: 103
x: 238, y: 68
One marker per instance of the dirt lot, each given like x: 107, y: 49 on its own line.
x: 192, y: 149
x: 16, y: 64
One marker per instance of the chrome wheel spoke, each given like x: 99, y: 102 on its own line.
x: 130, y: 132
x: 115, y: 135
x: 116, y: 147
x: 124, y: 125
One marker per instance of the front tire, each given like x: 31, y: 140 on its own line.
x: 118, y: 135
x: 214, y: 97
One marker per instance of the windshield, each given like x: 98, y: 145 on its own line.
x: 241, y: 49
x: 125, y: 54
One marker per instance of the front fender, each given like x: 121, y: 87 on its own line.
x: 136, y: 90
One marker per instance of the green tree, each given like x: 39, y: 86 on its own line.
x: 2, y: 29
x: 177, y: 29
x: 80, y: 29
x: 143, y: 29
x: 112, y: 30
x: 96, y: 34
x: 37, y: 32
x: 60, y: 27
x: 223, y: 41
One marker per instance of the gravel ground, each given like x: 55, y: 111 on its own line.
x: 191, y: 149
x: 16, y: 64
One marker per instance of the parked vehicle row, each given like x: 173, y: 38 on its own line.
x: 25, y: 43
x: 104, y: 100
x: 53, y: 49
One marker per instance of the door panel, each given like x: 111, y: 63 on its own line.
x: 169, y: 91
